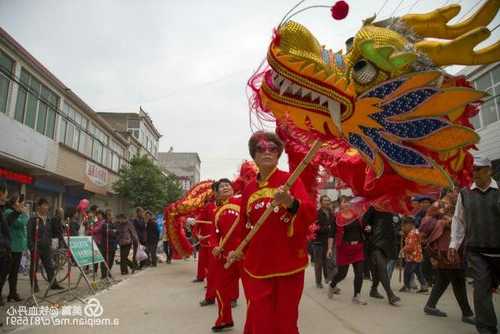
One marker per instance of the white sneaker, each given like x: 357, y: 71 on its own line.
x: 357, y: 300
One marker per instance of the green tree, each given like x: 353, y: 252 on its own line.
x: 144, y: 184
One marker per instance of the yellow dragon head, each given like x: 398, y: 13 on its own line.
x: 388, y: 96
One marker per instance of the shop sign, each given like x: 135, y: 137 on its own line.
x: 96, y: 174
x: 17, y: 177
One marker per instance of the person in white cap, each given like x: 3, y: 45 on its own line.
x: 476, y: 224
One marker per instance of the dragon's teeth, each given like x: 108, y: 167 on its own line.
x: 334, y: 108
x: 314, y: 96
x: 286, y: 83
x: 322, y: 100
x: 279, y: 79
x: 295, y: 89
x: 304, y: 92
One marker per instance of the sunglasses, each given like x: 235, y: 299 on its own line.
x: 267, y: 147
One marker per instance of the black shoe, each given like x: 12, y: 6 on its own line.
x: 36, y: 289
x: 206, y: 302
x: 14, y: 297
x: 394, y: 300
x: 197, y: 280
x: 434, y: 311
x: 56, y: 287
x: 319, y: 286
x: 220, y: 328
x: 404, y: 289
x: 375, y: 294
x: 469, y: 320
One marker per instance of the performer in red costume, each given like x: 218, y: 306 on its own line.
x: 275, y: 259
x: 228, y: 232
x: 206, y: 236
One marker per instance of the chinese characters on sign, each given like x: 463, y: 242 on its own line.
x: 96, y: 174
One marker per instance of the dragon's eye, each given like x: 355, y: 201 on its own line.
x: 364, y: 72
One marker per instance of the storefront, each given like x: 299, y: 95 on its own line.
x: 51, y: 190
x: 15, y: 180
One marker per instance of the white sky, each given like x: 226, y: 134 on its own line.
x: 186, y: 62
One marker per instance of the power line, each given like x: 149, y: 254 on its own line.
x: 397, y: 7
x: 382, y: 7
x: 176, y: 91
x: 10, y: 76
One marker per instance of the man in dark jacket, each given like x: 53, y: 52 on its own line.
x: 5, y: 234
x: 381, y: 247
x: 40, y: 244
x: 109, y: 239
x: 325, y: 229
x: 152, y: 238
x: 140, y: 228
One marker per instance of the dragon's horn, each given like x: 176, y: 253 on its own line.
x: 460, y: 51
x: 435, y: 23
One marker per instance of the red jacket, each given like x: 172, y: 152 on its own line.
x: 226, y: 215
x: 280, y: 247
x: 207, y: 229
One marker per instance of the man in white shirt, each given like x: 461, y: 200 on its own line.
x: 476, y: 224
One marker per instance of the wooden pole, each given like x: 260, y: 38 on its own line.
x: 228, y: 235
x: 289, y: 183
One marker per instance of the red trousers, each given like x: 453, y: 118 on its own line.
x: 273, y: 304
x: 203, y: 257
x: 226, y: 286
x: 211, y: 272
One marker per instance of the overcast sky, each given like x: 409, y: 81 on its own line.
x: 186, y: 62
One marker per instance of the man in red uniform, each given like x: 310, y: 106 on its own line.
x: 227, y: 228
x: 206, y: 236
x: 275, y: 259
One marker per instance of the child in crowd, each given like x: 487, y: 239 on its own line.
x: 412, y: 253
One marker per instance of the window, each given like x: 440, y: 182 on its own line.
x: 483, y: 82
x: 97, y: 151
x: 82, y: 142
x: 88, y: 146
x: 36, y: 105
x: 490, y: 109
x: 496, y: 75
x: 7, y: 65
x: 62, y: 130
x: 476, y: 121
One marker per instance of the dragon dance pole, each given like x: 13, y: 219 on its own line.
x: 229, y: 233
x: 289, y: 183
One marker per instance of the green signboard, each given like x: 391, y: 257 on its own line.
x: 81, y: 250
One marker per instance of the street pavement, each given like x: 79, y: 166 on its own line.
x: 163, y: 300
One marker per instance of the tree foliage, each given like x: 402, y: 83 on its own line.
x: 144, y: 184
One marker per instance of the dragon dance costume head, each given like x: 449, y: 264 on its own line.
x: 393, y: 122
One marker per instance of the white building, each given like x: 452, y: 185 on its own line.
x: 184, y: 165
x: 487, y: 121
x: 53, y: 144
x: 140, y: 127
